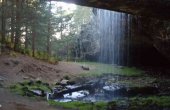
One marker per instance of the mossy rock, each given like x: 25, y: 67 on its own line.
x: 25, y: 88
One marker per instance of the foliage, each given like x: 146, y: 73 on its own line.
x: 80, y: 105
x: 32, y: 28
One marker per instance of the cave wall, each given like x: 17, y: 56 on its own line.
x: 148, y: 8
x: 150, y: 42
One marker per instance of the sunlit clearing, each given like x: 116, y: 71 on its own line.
x: 65, y: 6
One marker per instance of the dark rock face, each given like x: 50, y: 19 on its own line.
x: 148, y: 8
x: 157, y: 33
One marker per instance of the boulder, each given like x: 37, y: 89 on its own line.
x: 64, y: 82
x: 85, y: 68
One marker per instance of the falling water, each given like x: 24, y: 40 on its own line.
x: 114, y: 34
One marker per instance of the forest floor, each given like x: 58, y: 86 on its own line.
x: 20, y: 68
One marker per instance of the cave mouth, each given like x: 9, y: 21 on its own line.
x: 84, y: 58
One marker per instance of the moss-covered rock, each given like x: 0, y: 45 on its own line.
x: 31, y: 88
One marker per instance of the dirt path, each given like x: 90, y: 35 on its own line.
x: 19, y: 68
x: 16, y: 69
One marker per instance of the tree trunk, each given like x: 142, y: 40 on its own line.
x: 26, y: 38
x: 26, y: 29
x: 33, y: 43
x: 49, y: 33
x: 12, y: 23
x: 3, y: 27
x: 17, y: 36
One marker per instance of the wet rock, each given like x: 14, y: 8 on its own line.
x: 58, y: 89
x: 77, y: 94
x: 121, y: 92
x: 110, y: 88
x: 71, y: 87
x: 38, y: 92
x: 59, y: 92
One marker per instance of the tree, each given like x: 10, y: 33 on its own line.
x: 3, y: 26
x: 49, y: 32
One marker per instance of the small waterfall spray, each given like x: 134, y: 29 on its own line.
x: 114, y: 34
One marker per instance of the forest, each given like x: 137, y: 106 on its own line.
x: 45, y: 30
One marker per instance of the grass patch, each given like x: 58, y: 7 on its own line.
x: 158, y: 101
x: 80, y: 105
x: 136, y: 103
x: 98, y: 69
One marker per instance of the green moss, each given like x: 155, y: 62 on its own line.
x: 18, y: 89
x: 80, y: 105
x: 25, y: 87
x: 136, y: 103
x: 159, y: 101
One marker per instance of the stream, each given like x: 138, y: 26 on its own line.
x: 103, y: 88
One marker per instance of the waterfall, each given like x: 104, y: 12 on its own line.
x: 114, y: 32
